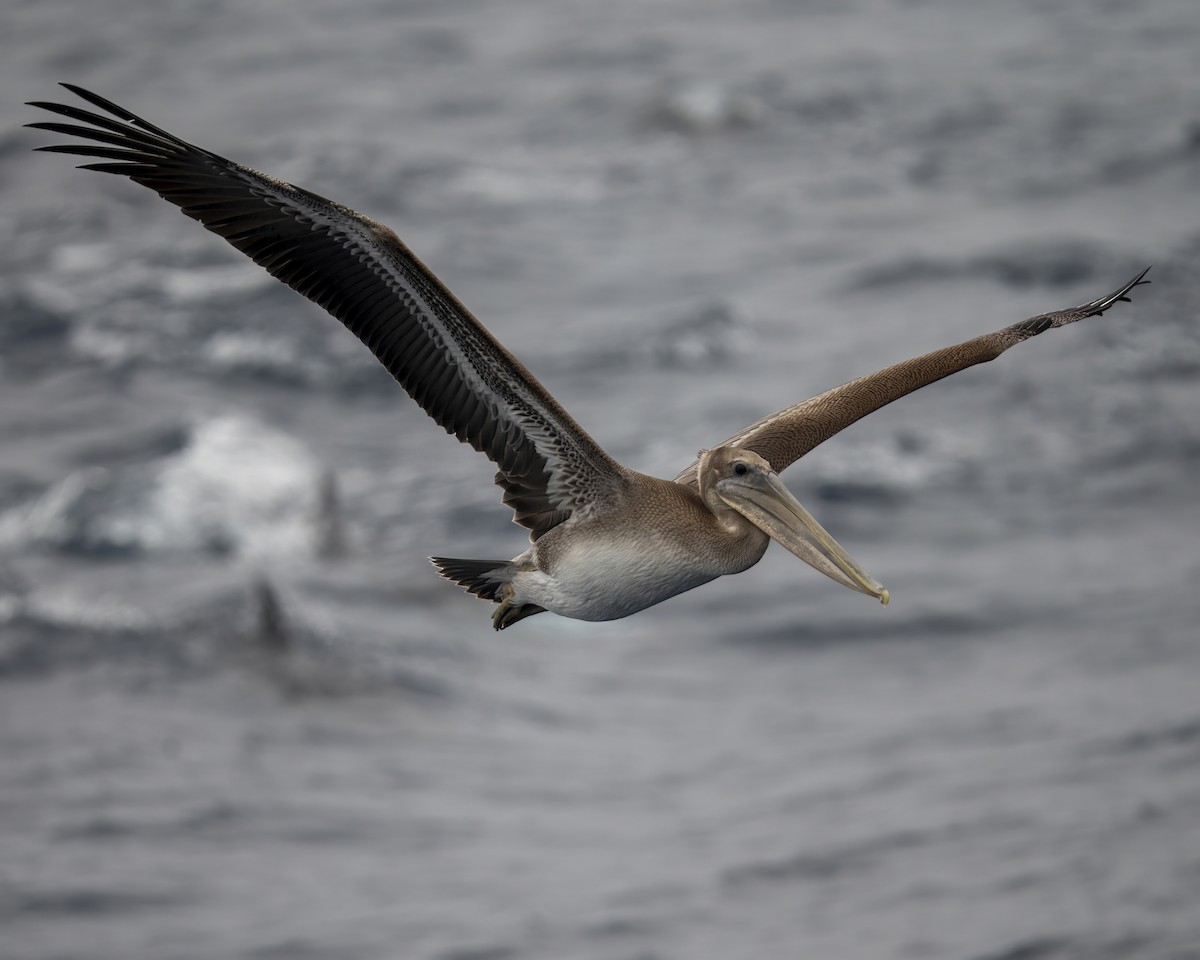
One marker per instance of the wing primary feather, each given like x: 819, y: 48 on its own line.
x: 364, y: 275
x: 784, y: 437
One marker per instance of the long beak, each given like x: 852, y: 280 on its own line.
x: 763, y: 500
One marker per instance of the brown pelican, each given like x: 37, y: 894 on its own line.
x: 607, y: 541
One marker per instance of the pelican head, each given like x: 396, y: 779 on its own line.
x: 743, y: 481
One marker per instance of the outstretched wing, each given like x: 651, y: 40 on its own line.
x: 364, y: 275
x: 784, y: 437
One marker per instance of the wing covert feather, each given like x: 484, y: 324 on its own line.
x: 366, y: 277
x: 784, y: 437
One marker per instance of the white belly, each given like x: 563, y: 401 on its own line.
x: 607, y: 581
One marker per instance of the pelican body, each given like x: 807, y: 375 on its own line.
x: 606, y: 541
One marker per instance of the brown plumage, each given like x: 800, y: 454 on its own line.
x: 785, y: 436
x: 607, y: 540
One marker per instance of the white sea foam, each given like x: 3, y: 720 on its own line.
x: 237, y: 487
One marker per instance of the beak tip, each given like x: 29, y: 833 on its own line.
x: 884, y: 596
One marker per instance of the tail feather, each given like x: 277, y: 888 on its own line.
x: 484, y: 578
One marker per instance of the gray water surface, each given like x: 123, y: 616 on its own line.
x: 241, y: 717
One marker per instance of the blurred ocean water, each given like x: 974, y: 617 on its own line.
x: 241, y: 717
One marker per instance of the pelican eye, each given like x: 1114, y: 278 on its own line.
x: 740, y: 469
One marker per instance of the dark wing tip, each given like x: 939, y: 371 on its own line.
x: 98, y: 101
x: 107, y: 106
x: 1097, y: 307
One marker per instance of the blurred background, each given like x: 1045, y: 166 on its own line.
x: 241, y: 717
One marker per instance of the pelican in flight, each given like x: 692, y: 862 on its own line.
x: 607, y: 541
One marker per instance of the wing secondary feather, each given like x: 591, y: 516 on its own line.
x: 784, y: 437
x: 364, y: 275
